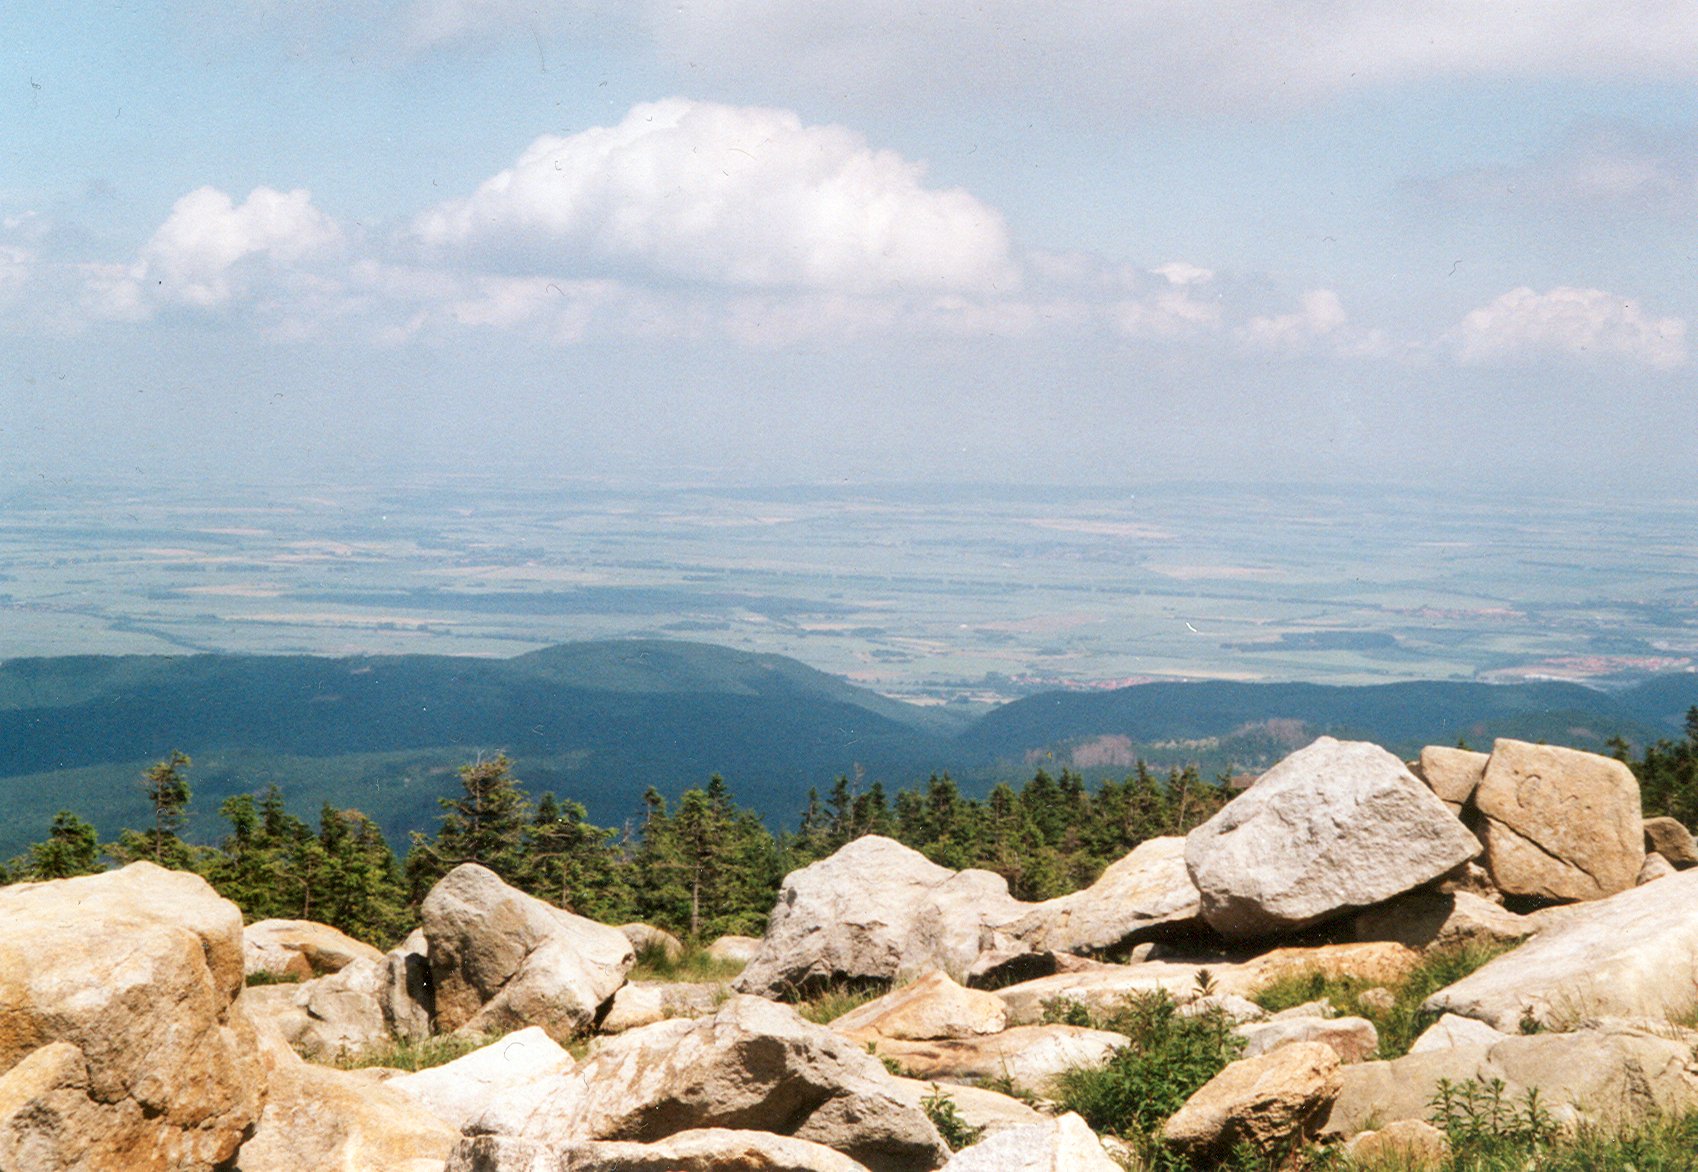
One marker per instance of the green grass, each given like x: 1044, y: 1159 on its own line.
x: 693, y: 964
x: 1401, y: 1023
x: 834, y: 1001
x: 266, y: 977
x: 412, y: 1056
x: 1661, y: 1144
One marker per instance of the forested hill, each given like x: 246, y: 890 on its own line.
x: 602, y: 721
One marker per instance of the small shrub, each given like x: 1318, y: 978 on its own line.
x: 266, y: 977
x: 693, y: 964
x: 1482, y: 1121
x: 956, y: 1131
x: 411, y: 1056
x: 836, y: 1000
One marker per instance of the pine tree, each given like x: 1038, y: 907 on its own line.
x: 72, y: 847
x: 572, y: 863
x: 168, y: 793
x: 486, y: 825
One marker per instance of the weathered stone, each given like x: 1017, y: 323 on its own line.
x: 876, y: 911
x: 121, y: 1041
x: 1102, y: 989
x: 1632, y: 955
x: 405, y: 995
x: 1452, y: 1030
x: 734, y: 949
x: 1452, y: 774
x: 300, y: 949
x: 1029, y: 1057
x: 1353, y: 1039
x: 1264, y: 1102
x: 1065, y: 1144
x: 1412, y: 1144
x: 1336, y: 826
x: 1378, y: 999
x: 753, y: 1064
x: 1472, y: 878
x: 1668, y: 838
x: 1321, y: 1007
x: 458, y: 1091
x: 699, y: 1150
x: 641, y: 1003
x: 501, y: 960
x: 1427, y: 919
x: 647, y: 937
x: 1147, y: 891
x: 328, y: 1017
x: 1235, y: 1009
x: 932, y: 1007
x: 1614, y: 1075
x: 317, y: 1117
x: 988, y: 1111
x: 1655, y: 867
x: 997, y: 968
x: 1560, y: 823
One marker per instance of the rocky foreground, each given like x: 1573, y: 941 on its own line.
x: 130, y: 1038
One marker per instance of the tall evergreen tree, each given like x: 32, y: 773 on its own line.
x: 166, y: 786
x: 72, y: 848
x: 486, y: 824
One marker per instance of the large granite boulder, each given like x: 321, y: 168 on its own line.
x: 1673, y: 841
x: 458, y: 1092
x: 318, y: 1117
x: 501, y: 960
x: 1437, y: 920
x: 1559, y: 823
x: 300, y: 949
x: 876, y: 911
x: 712, y: 1149
x: 327, y: 1018
x: 1146, y: 893
x: 405, y: 994
x: 1452, y: 774
x: 1336, y: 826
x: 1065, y: 1144
x: 932, y: 1007
x: 1632, y: 955
x: 1264, y: 1103
x: 1353, y: 1039
x: 1027, y: 1057
x: 1616, y: 1072
x: 648, y: 938
x: 734, y: 949
x: 122, y: 1044
x: 986, y: 1110
x: 755, y: 1064
x: 641, y: 1003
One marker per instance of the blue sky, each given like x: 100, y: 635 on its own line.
x: 1427, y: 242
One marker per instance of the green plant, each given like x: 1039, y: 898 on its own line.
x: 267, y: 977
x: 420, y: 1055
x: 1167, y: 1058
x: 1479, y: 1117
x: 834, y: 1001
x: 1066, y: 1011
x: 946, y: 1117
x: 693, y: 963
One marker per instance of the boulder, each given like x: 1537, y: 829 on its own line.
x: 1409, y: 1144
x: 996, y: 968
x: 405, y: 994
x: 1028, y: 1057
x: 122, y: 1044
x: 876, y: 911
x: 1235, y: 1009
x: 1559, y: 823
x: 1353, y: 1039
x: 1066, y: 1144
x: 1655, y: 867
x: 1452, y: 774
x: 457, y: 1092
x: 1673, y: 841
x: 1429, y: 919
x: 1451, y: 1031
x: 734, y: 949
x: 932, y: 1007
x: 1632, y: 955
x: 701, y: 1150
x: 641, y: 1003
x: 1336, y: 826
x: 1102, y: 989
x: 988, y: 1111
x: 1265, y: 1103
x: 329, y: 1017
x: 300, y: 949
x: 317, y: 1117
x: 1147, y: 892
x: 1618, y: 1073
x: 753, y: 1064
x: 648, y: 938
x: 502, y: 960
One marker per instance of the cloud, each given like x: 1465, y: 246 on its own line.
x: 1172, y: 312
x: 738, y: 196
x: 1523, y: 324
x: 202, y: 255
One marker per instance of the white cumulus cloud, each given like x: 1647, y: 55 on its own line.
x: 1582, y: 322
x: 196, y: 257
x: 740, y: 196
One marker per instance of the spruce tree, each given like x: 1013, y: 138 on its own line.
x: 71, y: 848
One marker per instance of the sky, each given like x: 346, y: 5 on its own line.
x: 1431, y: 243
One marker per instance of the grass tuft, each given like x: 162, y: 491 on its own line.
x: 412, y: 1056
x: 693, y: 964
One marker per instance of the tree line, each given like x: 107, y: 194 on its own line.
x: 700, y: 867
